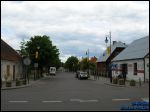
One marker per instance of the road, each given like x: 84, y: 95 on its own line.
x: 64, y: 92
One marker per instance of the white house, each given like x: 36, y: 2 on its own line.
x: 133, y: 61
x: 11, y: 62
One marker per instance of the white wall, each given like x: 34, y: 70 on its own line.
x: 130, y: 67
x: 18, y: 69
x: 147, y: 69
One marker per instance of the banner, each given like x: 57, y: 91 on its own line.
x: 108, y: 50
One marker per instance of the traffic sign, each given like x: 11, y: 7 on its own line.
x: 27, y: 61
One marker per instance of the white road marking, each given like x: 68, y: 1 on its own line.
x: 52, y: 101
x: 79, y: 100
x: 18, y: 101
x: 89, y: 101
x: 120, y: 99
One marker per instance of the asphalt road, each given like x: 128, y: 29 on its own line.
x: 64, y: 92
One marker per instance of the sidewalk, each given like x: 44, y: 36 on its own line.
x: 13, y: 85
x: 106, y: 80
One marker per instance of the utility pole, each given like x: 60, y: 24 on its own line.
x: 110, y: 43
x: 109, y: 66
x: 88, y: 63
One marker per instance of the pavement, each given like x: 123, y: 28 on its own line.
x: 106, y: 80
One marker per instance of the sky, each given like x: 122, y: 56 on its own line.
x: 74, y: 26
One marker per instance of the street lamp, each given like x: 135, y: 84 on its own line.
x: 109, y: 62
x: 38, y: 47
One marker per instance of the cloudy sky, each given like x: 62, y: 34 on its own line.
x: 74, y: 26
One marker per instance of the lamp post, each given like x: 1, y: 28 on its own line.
x: 38, y: 47
x: 109, y: 61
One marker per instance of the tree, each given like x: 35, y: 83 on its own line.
x: 86, y: 64
x: 23, y: 51
x: 41, y: 51
x: 72, y: 63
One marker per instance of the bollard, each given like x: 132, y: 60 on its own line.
x: 140, y: 82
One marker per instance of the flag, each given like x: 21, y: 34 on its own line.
x: 108, y: 50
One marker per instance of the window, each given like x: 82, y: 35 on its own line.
x: 135, y: 68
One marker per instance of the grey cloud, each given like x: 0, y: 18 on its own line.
x: 76, y: 26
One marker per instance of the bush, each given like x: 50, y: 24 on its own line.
x: 115, y: 80
x: 18, y: 82
x: 8, y: 83
x: 121, y: 82
x: 120, y: 76
x: 132, y: 83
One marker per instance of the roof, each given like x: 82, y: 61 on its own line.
x: 105, y: 55
x: 8, y: 53
x: 137, y: 49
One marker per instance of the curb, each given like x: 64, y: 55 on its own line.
x: 124, y: 85
x: 16, y: 87
x: 115, y: 85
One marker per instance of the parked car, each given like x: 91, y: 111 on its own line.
x: 52, y: 71
x: 82, y: 75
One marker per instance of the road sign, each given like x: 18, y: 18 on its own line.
x: 27, y: 61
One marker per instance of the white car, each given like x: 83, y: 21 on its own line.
x: 52, y: 71
x: 83, y: 75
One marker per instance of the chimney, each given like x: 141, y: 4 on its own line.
x: 114, y: 42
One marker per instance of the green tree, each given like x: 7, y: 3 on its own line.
x: 72, y: 63
x: 47, y: 53
x: 84, y: 64
x: 23, y: 51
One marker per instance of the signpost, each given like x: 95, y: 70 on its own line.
x: 27, y: 62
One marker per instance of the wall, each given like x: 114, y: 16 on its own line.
x: 130, y: 67
x: 147, y: 68
x: 18, y: 69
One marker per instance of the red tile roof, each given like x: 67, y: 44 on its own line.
x: 8, y: 53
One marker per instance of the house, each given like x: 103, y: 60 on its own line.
x: 133, y: 62
x: 11, y: 62
x: 104, y: 60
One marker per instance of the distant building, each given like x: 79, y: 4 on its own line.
x: 134, y: 60
x: 104, y: 60
x: 11, y: 62
x: 93, y: 59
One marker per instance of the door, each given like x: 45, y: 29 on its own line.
x: 124, y: 70
x: 13, y: 72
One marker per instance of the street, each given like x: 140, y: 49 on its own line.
x: 64, y: 92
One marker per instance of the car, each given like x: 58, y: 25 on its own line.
x: 82, y: 75
x: 52, y: 71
